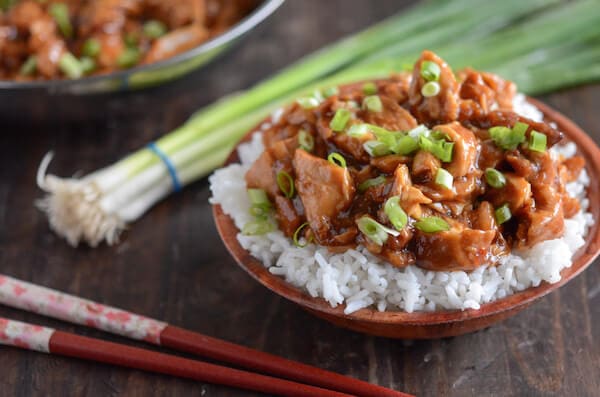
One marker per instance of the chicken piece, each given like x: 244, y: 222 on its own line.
x: 25, y: 13
x: 443, y: 107
x: 389, y: 163
x: 459, y: 248
x: 392, y: 117
x: 177, y: 13
x: 539, y: 225
x: 466, y: 148
x: 288, y: 218
x: 398, y: 88
x: 49, y: 56
x: 482, y: 92
x: 571, y: 168
x: 174, y: 42
x: 516, y: 192
x: 483, y: 217
x: 325, y: 190
x: 262, y: 176
x: 424, y: 167
x: 508, y: 119
x: 353, y: 146
x: 111, y: 48
x: 521, y: 165
x: 411, y: 198
x: 283, y: 152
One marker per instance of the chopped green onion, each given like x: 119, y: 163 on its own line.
x: 306, y: 141
x: 340, y: 119
x: 373, y: 104
x: 376, y: 148
x: 91, y: 48
x: 308, y: 102
x: 358, y: 130
x: 70, y: 66
x: 439, y: 148
x: 352, y: 105
x: 374, y: 230
x: 154, y: 29
x: 60, y: 13
x: 330, y: 91
x: 502, y: 214
x: 431, y: 88
x: 129, y: 57
x: 418, y: 131
x: 495, y: 178
x: 537, y: 141
x: 430, y: 71
x: 285, y: 183
x: 296, y: 237
x: 444, y: 178
x: 371, y: 182
x: 260, y: 211
x: 508, y: 138
x: 88, y: 65
x: 405, y: 145
x: 369, y: 88
x: 258, y: 196
x: 395, y: 213
x: 29, y: 66
x: 432, y: 224
x: 257, y: 227
x: 337, y: 159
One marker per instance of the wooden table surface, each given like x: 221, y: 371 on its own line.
x: 171, y: 265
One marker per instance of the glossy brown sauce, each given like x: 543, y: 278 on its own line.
x: 330, y: 198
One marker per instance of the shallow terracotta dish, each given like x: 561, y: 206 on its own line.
x: 427, y: 325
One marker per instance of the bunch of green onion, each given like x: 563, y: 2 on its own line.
x: 542, y: 45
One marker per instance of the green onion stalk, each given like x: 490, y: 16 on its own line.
x: 97, y: 207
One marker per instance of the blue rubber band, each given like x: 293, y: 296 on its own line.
x: 170, y: 167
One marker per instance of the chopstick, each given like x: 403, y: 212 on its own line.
x: 51, y: 303
x: 48, y: 340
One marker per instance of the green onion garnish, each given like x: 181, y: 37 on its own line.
x: 432, y: 224
x: 358, y: 130
x: 444, y: 178
x: 508, y: 138
x: 128, y: 58
x: 373, y: 104
x: 91, y: 48
x: 257, y: 227
x: 405, y: 145
x: 340, y: 119
x: 88, y: 65
x: 371, y: 182
x: 431, y: 88
x: 395, y: 213
x: 502, y: 214
x: 495, y: 178
x: 308, y: 102
x: 60, y: 13
x: 376, y: 148
x: 330, y: 91
x: 260, y: 211
x: 296, y: 237
x: 154, y: 29
x: 258, y: 196
x: 430, y: 71
x: 29, y: 66
x: 374, y: 230
x: 337, y: 159
x: 439, y: 148
x: 306, y: 141
x: 285, y: 183
x: 537, y: 141
x: 70, y: 66
x: 369, y: 88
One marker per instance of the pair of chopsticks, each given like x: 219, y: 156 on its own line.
x: 285, y: 377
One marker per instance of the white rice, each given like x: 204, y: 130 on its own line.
x: 358, y: 279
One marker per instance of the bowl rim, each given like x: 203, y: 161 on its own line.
x: 259, y: 14
x: 581, y: 259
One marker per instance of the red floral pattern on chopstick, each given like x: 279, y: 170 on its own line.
x: 26, y: 336
x: 37, y: 299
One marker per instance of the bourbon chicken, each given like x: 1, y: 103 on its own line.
x: 55, y: 39
x: 430, y: 168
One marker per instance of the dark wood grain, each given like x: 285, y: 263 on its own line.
x: 172, y: 265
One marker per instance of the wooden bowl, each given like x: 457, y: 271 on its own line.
x: 428, y: 325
